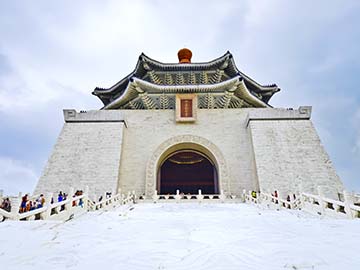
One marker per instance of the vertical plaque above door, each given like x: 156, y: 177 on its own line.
x: 186, y: 105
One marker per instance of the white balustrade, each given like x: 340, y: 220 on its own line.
x: 199, y: 197
x: 77, y: 205
x: 315, y: 204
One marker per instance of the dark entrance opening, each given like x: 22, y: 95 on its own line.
x: 187, y: 171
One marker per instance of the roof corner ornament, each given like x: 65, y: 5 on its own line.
x: 225, y: 64
x: 146, y: 66
x: 138, y: 89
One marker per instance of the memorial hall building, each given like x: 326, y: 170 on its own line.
x: 189, y: 126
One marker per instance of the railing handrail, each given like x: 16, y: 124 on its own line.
x: 65, y: 208
x: 5, y: 213
x: 306, y: 201
x: 333, y: 201
x: 310, y: 202
x: 109, y: 199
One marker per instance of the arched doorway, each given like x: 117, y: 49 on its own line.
x: 187, y: 170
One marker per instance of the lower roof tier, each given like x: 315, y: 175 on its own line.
x: 232, y: 93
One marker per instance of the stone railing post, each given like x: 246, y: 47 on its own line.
x: 133, y: 196
x: 177, y: 196
x: 321, y: 200
x: 348, y: 200
x: 86, y: 198
x: 274, y: 199
x: 155, y: 196
x: 122, y: 198
x: 268, y: 198
x: 110, y: 200
x: 47, y: 213
x: 15, y: 206
x: 104, y: 200
x: 301, y: 196
x: 277, y: 200
x: 250, y: 197
x: 243, y: 195
x: 200, y: 197
x: 69, y: 198
x: 119, y: 192
x: 222, y: 196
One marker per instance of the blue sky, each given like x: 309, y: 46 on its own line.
x: 53, y: 54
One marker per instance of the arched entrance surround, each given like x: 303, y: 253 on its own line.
x: 181, y: 142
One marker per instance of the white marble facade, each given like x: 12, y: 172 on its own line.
x: 253, y: 149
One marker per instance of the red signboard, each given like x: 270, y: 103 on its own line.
x: 186, y: 108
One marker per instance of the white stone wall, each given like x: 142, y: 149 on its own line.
x: 148, y: 129
x: 257, y: 151
x: 84, y: 154
x: 289, y: 157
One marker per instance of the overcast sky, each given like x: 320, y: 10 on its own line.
x: 53, y: 54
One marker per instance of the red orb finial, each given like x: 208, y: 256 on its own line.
x: 184, y: 55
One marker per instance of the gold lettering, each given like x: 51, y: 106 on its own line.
x: 186, y: 107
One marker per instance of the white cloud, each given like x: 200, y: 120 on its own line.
x: 327, y: 64
x: 99, y: 45
x: 25, y: 89
x: 57, y: 53
x: 16, y: 176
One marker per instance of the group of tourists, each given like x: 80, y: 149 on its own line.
x: 28, y: 205
x: 275, y: 195
x: 81, y: 202
x: 62, y: 196
x: 6, y: 205
x: 107, y: 194
x: 288, y: 198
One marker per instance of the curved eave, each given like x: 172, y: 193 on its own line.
x: 101, y: 92
x: 197, y: 88
x: 262, y: 88
x: 137, y: 86
x: 243, y: 92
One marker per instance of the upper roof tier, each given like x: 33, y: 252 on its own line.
x: 184, y: 73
